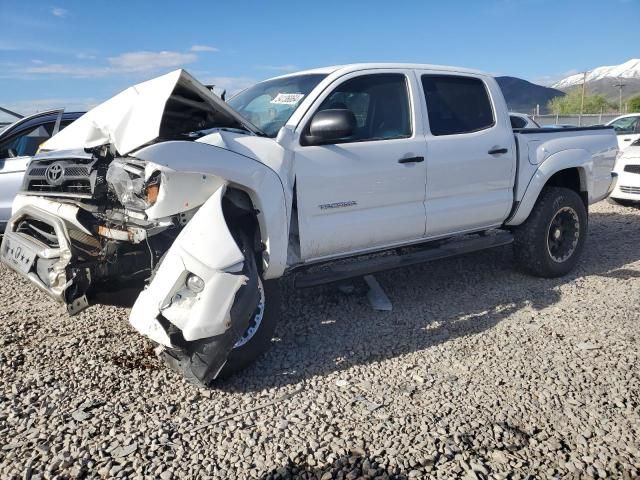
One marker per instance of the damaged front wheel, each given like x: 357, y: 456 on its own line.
x: 207, y: 359
x: 257, y: 338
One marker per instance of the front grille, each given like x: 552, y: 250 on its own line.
x: 74, y: 178
x: 635, y: 190
x: 82, y: 187
x: 38, y: 171
x: 77, y: 171
x: 632, y: 168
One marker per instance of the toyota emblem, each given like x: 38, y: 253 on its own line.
x: 54, y: 174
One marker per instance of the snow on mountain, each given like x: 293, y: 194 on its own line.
x: 630, y: 69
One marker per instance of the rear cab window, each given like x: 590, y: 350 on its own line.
x: 457, y: 104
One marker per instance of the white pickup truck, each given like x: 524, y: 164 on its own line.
x: 198, y: 206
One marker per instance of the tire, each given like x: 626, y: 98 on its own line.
x: 244, y: 355
x: 549, y: 243
x: 622, y: 202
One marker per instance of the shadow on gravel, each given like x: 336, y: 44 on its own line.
x: 324, y: 331
x: 354, y: 466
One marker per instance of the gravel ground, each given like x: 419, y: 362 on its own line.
x: 479, y: 372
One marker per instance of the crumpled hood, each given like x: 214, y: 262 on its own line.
x: 162, y: 108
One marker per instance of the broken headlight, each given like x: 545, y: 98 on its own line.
x: 128, y: 183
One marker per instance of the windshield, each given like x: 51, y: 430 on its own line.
x: 269, y: 104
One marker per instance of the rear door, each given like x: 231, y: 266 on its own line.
x: 471, y: 154
x: 366, y: 191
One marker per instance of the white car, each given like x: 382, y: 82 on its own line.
x: 627, y: 190
x: 203, y: 205
x: 522, y: 120
x: 627, y: 129
x: 18, y: 143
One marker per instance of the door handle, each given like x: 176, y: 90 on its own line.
x: 411, y: 160
x: 627, y: 139
x: 498, y: 151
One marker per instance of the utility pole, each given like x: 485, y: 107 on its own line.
x: 584, y: 82
x: 620, y: 86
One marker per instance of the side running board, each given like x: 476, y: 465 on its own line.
x: 366, y: 266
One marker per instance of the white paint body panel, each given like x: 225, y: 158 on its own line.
x: 132, y: 118
x: 592, y: 152
x: 263, y: 185
x: 367, y: 177
x: 628, y: 186
x: 467, y: 188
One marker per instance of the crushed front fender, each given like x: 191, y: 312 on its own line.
x: 199, y: 326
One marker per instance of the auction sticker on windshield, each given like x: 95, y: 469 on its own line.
x: 17, y: 254
x: 287, y: 98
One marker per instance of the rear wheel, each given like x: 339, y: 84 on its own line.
x: 551, y: 240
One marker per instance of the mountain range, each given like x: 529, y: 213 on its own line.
x: 523, y: 96
x: 626, y: 70
x: 605, y: 81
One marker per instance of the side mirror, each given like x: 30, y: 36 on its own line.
x: 328, y: 126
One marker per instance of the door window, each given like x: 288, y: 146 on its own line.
x: 517, y: 122
x: 380, y: 103
x: 626, y: 126
x: 27, y: 142
x: 457, y: 104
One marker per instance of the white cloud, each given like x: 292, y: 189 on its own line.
x: 59, y: 12
x: 145, y: 61
x: 129, y: 62
x: 67, y: 70
x: 203, y: 48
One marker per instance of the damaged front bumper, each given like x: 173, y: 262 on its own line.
x: 43, y: 261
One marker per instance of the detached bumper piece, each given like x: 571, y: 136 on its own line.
x: 201, y: 361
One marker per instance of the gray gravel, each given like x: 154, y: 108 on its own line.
x: 479, y: 372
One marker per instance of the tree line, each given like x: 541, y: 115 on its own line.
x: 571, y: 102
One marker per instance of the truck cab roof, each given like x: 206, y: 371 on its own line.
x: 354, y: 67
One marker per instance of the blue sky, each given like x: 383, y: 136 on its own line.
x: 78, y: 53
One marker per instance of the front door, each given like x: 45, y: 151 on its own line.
x: 367, y: 190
